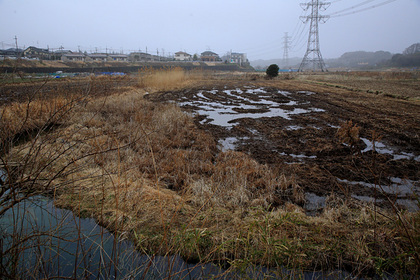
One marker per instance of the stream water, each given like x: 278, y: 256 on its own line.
x: 54, y: 243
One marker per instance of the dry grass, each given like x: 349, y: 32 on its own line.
x: 145, y: 170
x: 167, y: 79
x: 18, y: 118
x: 348, y: 133
x: 401, y: 85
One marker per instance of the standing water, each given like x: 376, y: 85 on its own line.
x: 42, y: 241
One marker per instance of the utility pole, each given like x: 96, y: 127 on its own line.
x: 313, y: 54
x: 17, y: 48
x: 286, y: 40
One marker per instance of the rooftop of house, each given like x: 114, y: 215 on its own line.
x: 32, y: 48
x: 209, y: 53
x: 118, y: 55
x: 74, y: 54
x: 181, y: 53
x: 98, y: 55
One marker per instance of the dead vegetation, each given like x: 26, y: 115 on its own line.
x: 144, y: 169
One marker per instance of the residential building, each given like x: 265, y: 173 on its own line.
x: 209, y: 56
x: 73, y: 57
x: 238, y: 58
x: 11, y: 53
x: 101, y: 57
x: 34, y: 52
x: 140, y: 56
x: 183, y: 56
x: 118, y: 57
x: 57, y: 55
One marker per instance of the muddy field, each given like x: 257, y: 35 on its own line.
x: 300, y: 129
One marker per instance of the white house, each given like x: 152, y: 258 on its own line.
x: 183, y: 56
x: 238, y: 58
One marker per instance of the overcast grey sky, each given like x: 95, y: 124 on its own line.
x: 255, y: 27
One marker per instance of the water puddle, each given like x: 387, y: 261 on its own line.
x: 3, y: 176
x: 294, y: 127
x: 306, y: 92
x: 297, y: 156
x: 398, y: 187
x: 228, y: 106
x: 403, y: 189
x: 228, y: 144
x: 314, y: 202
x: 381, y: 148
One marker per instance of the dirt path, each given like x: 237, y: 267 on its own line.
x: 292, y: 126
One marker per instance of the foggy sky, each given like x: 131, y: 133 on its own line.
x: 255, y: 27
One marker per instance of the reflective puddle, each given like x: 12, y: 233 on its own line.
x: 224, y: 108
x: 381, y: 148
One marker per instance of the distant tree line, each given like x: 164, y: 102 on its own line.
x: 409, y: 58
x: 372, y: 60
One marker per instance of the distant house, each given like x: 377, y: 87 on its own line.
x: 118, y: 57
x: 11, y: 53
x: 183, y: 56
x: 210, y: 56
x: 140, y: 56
x: 34, y: 52
x: 57, y: 55
x: 102, y: 57
x: 73, y: 57
x: 238, y: 58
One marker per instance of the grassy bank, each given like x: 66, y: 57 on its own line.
x: 146, y: 171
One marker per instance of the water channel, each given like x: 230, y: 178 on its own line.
x: 55, y: 243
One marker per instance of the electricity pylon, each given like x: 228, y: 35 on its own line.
x: 286, y: 47
x: 313, y: 54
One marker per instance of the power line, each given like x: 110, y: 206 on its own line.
x: 300, y: 38
x: 298, y: 24
x: 362, y: 10
x: 286, y: 47
x: 352, y: 7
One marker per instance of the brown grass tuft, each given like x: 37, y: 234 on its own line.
x: 349, y: 133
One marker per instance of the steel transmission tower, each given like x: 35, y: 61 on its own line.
x: 313, y: 54
x: 286, y: 47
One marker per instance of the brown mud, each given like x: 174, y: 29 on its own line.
x: 293, y: 127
